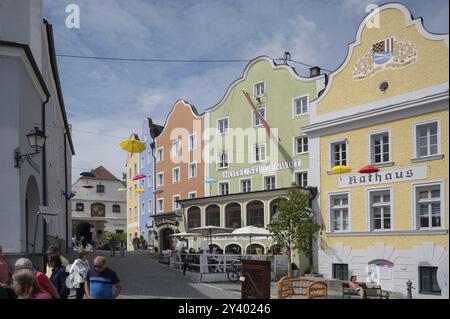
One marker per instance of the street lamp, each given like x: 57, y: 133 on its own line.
x: 36, y: 139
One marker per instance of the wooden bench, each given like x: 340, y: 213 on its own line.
x: 371, y: 292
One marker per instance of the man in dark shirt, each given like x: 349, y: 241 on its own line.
x: 101, y: 280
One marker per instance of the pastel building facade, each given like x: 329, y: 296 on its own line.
x: 133, y: 216
x: 386, y: 106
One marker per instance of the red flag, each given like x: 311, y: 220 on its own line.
x: 263, y: 121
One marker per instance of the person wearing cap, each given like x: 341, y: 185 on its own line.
x: 51, y: 251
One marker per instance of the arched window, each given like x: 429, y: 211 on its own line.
x: 116, y: 208
x: 233, y: 216
x: 97, y: 210
x: 213, y: 215
x: 193, y: 216
x: 233, y: 249
x: 274, y: 207
x: 255, y: 249
x: 255, y: 213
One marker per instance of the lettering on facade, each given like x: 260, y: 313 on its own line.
x: 392, y: 176
x: 262, y: 169
x: 390, y: 53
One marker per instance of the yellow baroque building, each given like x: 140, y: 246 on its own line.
x: 386, y: 106
x: 133, y: 229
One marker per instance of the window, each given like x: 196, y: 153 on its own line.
x: 255, y: 214
x: 222, y: 126
x: 223, y: 159
x: 194, y: 217
x: 175, y: 204
x: 213, y: 215
x: 160, y: 205
x: 428, y: 281
x: 340, y: 271
x: 380, y: 210
x: 129, y: 174
x: 79, y: 207
x: 176, y: 148
x: 223, y: 188
x: 427, y: 139
x: 142, y: 162
x: 135, y: 169
x: 116, y: 208
x: 301, y: 179
x: 129, y: 213
x: 192, y: 142
x: 130, y: 192
x: 135, y: 212
x: 100, y: 188
x: 149, y: 206
x: 159, y: 179
x: 176, y: 175
x: 429, y: 206
x: 192, y: 195
x: 160, y: 154
x: 259, y: 151
x: 301, y: 145
x: 246, y: 185
x: 192, y: 170
x: 142, y: 208
x: 339, y: 153
x: 260, y: 89
x: 149, y: 157
x: 301, y: 106
x: 256, y: 120
x: 233, y: 215
x: 269, y: 182
x: 149, y: 181
x: 379, y: 148
x: 339, y: 212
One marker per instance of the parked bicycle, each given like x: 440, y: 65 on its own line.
x: 235, y: 272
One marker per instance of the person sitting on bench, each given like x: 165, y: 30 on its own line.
x: 356, y: 287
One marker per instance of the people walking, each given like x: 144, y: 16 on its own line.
x: 59, y: 276
x: 83, y: 242
x: 122, y: 246
x: 44, y: 283
x: 78, y: 272
x: 101, y: 280
x: 112, y: 246
x: 187, y: 261
x: 26, y: 286
x: 54, y: 251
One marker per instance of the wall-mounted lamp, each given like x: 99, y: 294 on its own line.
x: 36, y: 139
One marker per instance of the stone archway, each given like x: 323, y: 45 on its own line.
x: 84, y: 229
x: 34, y: 226
x: 165, y: 240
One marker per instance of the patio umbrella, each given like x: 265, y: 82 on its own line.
x: 209, y: 231
x: 339, y: 169
x: 133, y: 145
x: 368, y: 170
x: 87, y: 174
x: 251, y: 231
x: 138, y: 177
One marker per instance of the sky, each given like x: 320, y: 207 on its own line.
x: 110, y: 99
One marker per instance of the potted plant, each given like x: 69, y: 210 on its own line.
x: 312, y: 272
x: 295, y: 270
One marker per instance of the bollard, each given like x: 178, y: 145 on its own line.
x: 409, y: 288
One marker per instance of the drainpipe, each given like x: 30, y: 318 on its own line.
x: 66, y: 189
x: 44, y: 169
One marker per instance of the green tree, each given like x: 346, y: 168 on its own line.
x: 294, y: 225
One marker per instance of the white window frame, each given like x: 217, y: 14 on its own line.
x: 174, y: 151
x: 142, y: 208
x: 255, y: 117
x: 189, y: 170
x: 294, y: 179
x: 190, y: 193
x: 222, y: 183
x: 416, y: 219
x: 173, y: 175
x: 150, y: 208
x: 294, y: 108
x: 264, y: 181
x: 194, y: 141
x: 142, y: 162
x: 295, y: 138
x: 149, y: 181
x: 160, y: 200
x: 245, y: 180
x: 149, y: 157
x: 158, y: 150
x: 254, y: 152
x: 349, y: 209
x: 439, y: 135
x: 371, y: 158
x: 369, y: 223
x: 219, y: 158
x: 255, y: 91
x: 173, y: 202
x: 331, y: 151
x: 130, y: 213
x: 157, y: 179
x: 227, y: 128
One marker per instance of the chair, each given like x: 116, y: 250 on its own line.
x: 302, y: 288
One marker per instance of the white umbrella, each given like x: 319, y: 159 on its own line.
x: 186, y: 235
x: 251, y: 231
x: 209, y: 230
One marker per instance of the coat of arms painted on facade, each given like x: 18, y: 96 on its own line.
x: 390, y: 53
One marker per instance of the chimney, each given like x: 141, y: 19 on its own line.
x: 314, y: 71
